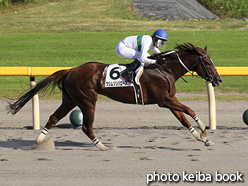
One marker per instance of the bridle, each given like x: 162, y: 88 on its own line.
x: 208, y: 77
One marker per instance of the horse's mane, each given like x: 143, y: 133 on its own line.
x: 186, y: 48
x: 183, y: 48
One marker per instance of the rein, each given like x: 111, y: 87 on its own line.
x: 181, y: 64
x: 175, y: 72
x: 178, y: 60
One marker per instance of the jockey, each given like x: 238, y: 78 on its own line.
x: 136, y: 47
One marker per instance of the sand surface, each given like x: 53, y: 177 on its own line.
x: 146, y: 139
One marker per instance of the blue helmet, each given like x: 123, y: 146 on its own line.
x: 160, y: 34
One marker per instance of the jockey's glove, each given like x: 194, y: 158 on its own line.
x: 160, y: 61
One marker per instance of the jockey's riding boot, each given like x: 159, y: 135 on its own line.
x: 129, y: 71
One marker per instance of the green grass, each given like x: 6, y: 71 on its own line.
x: 74, y: 49
x: 226, y: 47
x: 70, y: 33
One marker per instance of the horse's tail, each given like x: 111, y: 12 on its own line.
x: 53, y: 80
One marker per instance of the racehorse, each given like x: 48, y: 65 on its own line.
x: 81, y: 85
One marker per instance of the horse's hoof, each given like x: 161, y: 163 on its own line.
x: 107, y: 148
x: 104, y: 148
x: 209, y: 143
x: 111, y: 148
x: 203, y: 138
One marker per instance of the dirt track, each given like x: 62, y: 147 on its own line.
x: 114, y: 114
x: 68, y: 157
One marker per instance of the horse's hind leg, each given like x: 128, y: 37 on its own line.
x: 61, y: 112
x: 88, y: 110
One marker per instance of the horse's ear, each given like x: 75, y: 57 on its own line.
x: 206, y: 48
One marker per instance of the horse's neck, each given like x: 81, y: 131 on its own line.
x: 178, y: 69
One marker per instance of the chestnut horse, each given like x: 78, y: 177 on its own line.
x: 81, y: 85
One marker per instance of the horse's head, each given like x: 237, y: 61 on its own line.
x: 199, y: 61
x: 206, y: 69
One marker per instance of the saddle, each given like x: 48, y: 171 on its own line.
x: 114, y: 79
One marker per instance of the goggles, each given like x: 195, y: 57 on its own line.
x: 160, y: 42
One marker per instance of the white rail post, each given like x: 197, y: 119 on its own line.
x: 35, y: 105
x: 211, y: 106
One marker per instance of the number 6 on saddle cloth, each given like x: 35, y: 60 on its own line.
x: 114, y: 79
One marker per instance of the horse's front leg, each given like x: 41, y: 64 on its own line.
x: 178, y: 109
x: 200, y: 137
x: 204, y: 133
